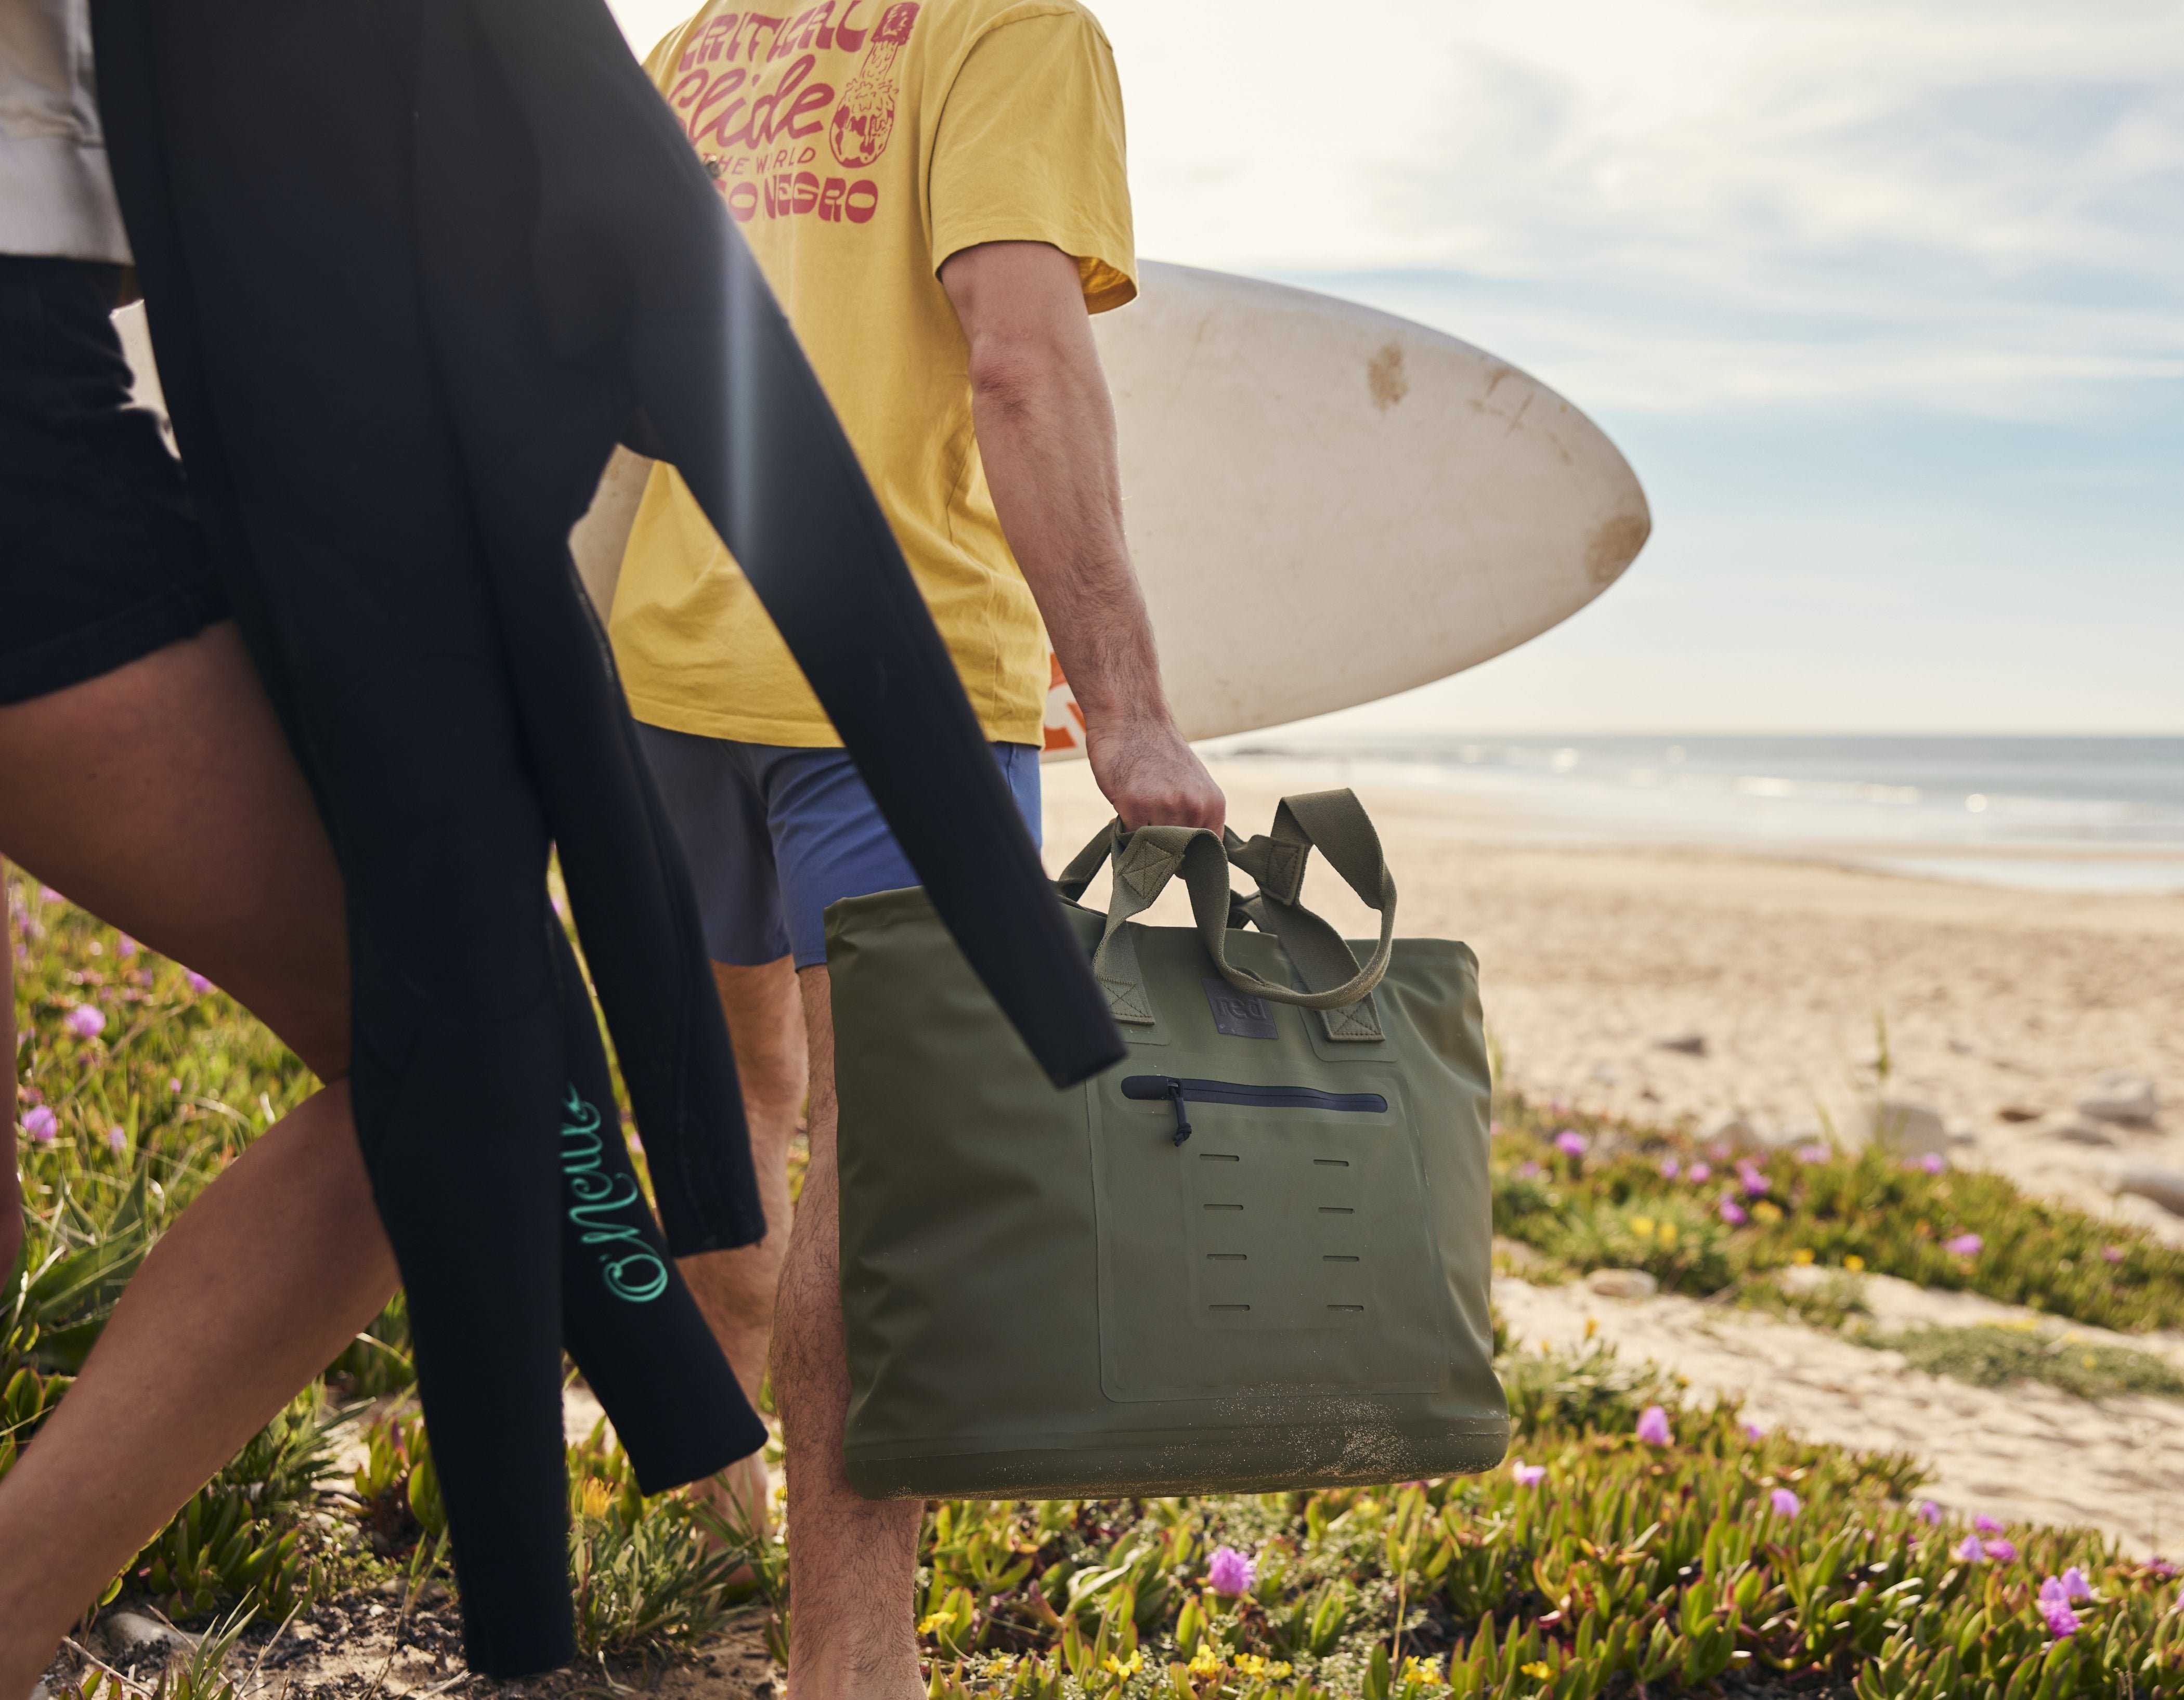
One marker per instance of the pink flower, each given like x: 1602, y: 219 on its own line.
x: 1934, y: 1163
x: 2001, y: 1551
x: 1927, y: 1512
x: 117, y: 1140
x: 2071, y: 1586
x: 1813, y: 1153
x: 1698, y: 1174
x: 1493, y: 1128
x: 1229, y: 1571
x: 1986, y: 1525
x: 2160, y: 1569
x: 1965, y: 1246
x: 1755, y: 1183
x: 125, y: 946
x: 1670, y: 1168
x: 1570, y: 1142
x: 1529, y: 1171
x: 1733, y: 1213
x: 1970, y: 1550
x: 1528, y: 1475
x: 2061, y: 1619
x: 2112, y: 1253
x: 46, y: 894
x: 198, y: 983
x: 85, y: 1021
x: 1786, y: 1503
x: 1752, y: 1431
x: 41, y: 1124
x: 1653, y: 1426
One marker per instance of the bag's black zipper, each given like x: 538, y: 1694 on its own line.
x: 1149, y: 1087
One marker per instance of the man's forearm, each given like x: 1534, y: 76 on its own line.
x: 1046, y: 431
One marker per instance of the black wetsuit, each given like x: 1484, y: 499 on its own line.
x: 412, y: 266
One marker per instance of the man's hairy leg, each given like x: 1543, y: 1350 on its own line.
x: 736, y: 1289
x: 851, y: 1560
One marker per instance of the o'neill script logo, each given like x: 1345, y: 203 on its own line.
x: 628, y: 1265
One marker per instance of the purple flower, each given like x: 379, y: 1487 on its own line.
x: 1527, y: 1171
x: 1934, y: 1163
x: 1752, y: 1431
x: 2071, y: 1586
x: 1733, y: 1213
x: 1965, y: 1246
x: 41, y: 1124
x: 2061, y: 1619
x: 1927, y: 1512
x: 198, y: 983
x: 2160, y: 1569
x: 1653, y: 1426
x: 1986, y: 1525
x: 125, y: 946
x: 46, y: 894
x: 2112, y: 1253
x: 1670, y: 1168
x: 1229, y: 1571
x: 1528, y: 1475
x: 1786, y: 1503
x: 1755, y: 1183
x: 1570, y: 1142
x: 117, y: 1140
x: 85, y: 1021
x: 2001, y: 1551
x: 1813, y: 1153
x: 1970, y: 1550
x: 1698, y: 1174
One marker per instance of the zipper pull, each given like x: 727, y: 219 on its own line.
x: 1182, y: 1115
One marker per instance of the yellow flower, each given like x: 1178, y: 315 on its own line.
x: 1642, y: 1226
x: 596, y: 1498
x: 1130, y: 1666
x: 1538, y: 1668
x: 1767, y: 1210
x: 1206, y: 1661
x: 1801, y: 1257
x: 1279, y: 1668
x: 1591, y: 1326
x: 931, y: 1621
x: 1668, y: 1233
x: 1854, y: 1262
x: 1416, y: 1669
x: 1250, y: 1665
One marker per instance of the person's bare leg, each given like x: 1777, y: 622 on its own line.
x: 851, y: 1560
x: 11, y: 1184
x: 164, y: 797
x: 736, y: 1289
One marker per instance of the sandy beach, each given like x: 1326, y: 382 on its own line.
x: 2000, y: 1006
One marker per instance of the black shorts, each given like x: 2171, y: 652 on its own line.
x: 100, y: 559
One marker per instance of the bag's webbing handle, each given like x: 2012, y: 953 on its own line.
x: 1146, y: 860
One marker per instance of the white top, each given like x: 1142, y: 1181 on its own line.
x: 56, y: 193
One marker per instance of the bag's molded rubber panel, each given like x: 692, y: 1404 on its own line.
x: 410, y: 269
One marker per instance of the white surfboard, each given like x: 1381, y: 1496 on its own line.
x: 1327, y: 504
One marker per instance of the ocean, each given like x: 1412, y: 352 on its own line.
x: 2050, y: 813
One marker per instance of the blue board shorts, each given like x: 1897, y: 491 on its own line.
x: 774, y: 835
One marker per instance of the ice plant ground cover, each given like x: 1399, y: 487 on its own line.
x: 1656, y: 1199
x: 1696, y: 1557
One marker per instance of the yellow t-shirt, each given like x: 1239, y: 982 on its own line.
x: 859, y: 145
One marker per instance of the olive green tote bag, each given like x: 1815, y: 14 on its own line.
x: 1251, y: 1256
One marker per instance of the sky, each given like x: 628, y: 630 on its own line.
x: 1883, y: 299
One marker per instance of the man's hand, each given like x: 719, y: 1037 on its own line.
x: 1151, y: 777
x: 1046, y: 432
